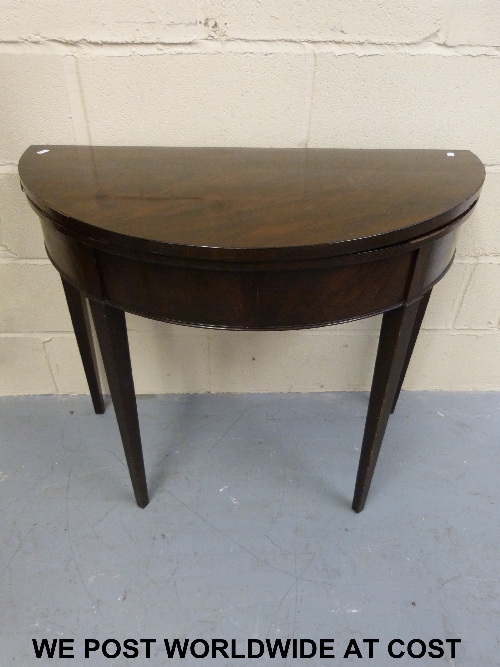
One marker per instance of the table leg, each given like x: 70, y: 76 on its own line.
x: 77, y: 305
x: 394, y: 344
x: 414, y: 335
x: 111, y: 332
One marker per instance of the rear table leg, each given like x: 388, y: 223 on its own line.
x: 414, y: 335
x: 77, y: 305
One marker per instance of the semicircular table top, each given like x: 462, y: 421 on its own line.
x: 241, y: 203
x: 251, y: 239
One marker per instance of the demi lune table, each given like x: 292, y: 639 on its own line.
x: 253, y: 239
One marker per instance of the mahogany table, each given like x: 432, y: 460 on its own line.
x: 254, y: 239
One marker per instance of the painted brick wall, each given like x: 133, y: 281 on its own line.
x: 350, y: 73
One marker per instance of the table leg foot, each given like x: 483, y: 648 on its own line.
x: 111, y: 332
x: 77, y: 305
x: 414, y: 335
x: 394, y: 345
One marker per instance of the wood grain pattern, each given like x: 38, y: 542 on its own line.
x: 243, y: 203
x: 250, y: 239
x: 290, y: 294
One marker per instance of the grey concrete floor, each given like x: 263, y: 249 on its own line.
x: 249, y: 533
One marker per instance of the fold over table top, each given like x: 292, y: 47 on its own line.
x: 240, y: 204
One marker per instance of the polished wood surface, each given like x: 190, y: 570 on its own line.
x: 255, y: 239
x: 242, y: 204
x: 419, y: 316
x: 395, y: 334
x: 112, y: 335
x: 78, y: 310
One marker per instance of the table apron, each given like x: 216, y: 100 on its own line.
x: 269, y: 296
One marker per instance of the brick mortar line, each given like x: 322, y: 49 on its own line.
x: 201, y: 17
x: 76, y: 100
x: 459, y: 299
x: 47, y: 359
x: 310, y: 72
x: 28, y: 261
x: 8, y: 168
x: 43, y: 335
x: 480, y: 259
x: 234, y: 45
x: 444, y: 28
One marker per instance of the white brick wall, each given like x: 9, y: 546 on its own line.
x: 100, y: 21
x: 35, y: 104
x: 416, y: 101
x: 354, y: 73
x: 475, y: 22
x: 378, y: 21
x: 220, y: 99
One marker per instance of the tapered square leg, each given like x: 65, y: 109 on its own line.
x: 77, y: 305
x: 394, y: 345
x: 111, y: 332
x: 422, y: 306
